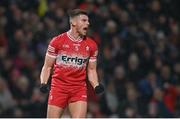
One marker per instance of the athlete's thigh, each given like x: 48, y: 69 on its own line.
x: 54, y: 111
x: 78, y: 109
x: 57, y: 101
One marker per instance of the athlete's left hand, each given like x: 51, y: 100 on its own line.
x: 99, y: 89
x: 44, y: 88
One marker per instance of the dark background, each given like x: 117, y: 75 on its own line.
x: 138, y: 62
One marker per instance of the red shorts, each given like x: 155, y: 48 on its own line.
x: 61, y: 96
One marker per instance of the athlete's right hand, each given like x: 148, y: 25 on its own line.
x: 44, y: 88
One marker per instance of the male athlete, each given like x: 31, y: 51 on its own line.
x: 71, y: 54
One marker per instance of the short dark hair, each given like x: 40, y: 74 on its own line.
x: 75, y: 12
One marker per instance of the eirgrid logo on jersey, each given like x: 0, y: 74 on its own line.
x: 72, y: 61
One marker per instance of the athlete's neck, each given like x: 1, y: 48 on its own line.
x: 74, y: 34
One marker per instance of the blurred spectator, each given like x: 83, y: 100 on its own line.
x: 157, y: 100
x: 120, y: 82
x: 134, y: 72
x: 6, y: 99
x: 146, y: 89
x: 177, y: 102
x: 109, y: 101
x: 130, y: 112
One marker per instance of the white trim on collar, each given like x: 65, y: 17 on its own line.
x: 71, y: 37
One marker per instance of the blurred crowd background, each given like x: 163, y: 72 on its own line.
x: 138, y: 62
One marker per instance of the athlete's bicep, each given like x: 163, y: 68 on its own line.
x: 52, y: 50
x: 51, y: 53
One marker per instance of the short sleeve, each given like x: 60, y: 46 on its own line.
x: 52, y: 49
x: 93, y: 52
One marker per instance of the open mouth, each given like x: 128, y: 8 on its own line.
x: 85, y: 28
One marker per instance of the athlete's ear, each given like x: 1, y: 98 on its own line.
x: 73, y: 22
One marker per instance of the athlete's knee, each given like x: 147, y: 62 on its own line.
x: 54, y: 111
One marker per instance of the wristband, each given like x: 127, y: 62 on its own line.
x: 44, y: 88
x: 99, y: 89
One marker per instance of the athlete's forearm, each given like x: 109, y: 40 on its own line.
x: 46, y: 69
x: 93, y: 78
x: 45, y: 73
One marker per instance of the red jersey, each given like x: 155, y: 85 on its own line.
x: 72, y: 57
